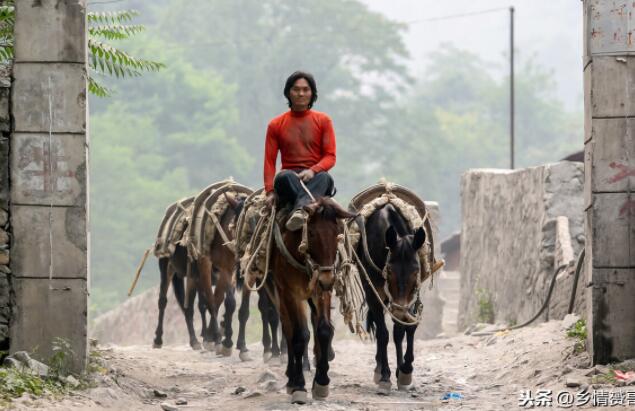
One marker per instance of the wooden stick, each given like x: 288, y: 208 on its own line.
x: 138, y: 273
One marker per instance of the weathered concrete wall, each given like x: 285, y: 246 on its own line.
x: 49, y: 179
x: 6, y: 281
x: 609, y: 147
x: 508, y: 237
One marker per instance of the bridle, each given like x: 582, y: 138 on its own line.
x: 309, y: 266
x: 415, y: 305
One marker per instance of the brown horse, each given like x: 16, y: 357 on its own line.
x: 308, y: 276
x: 219, y: 259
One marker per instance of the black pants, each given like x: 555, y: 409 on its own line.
x: 292, y: 195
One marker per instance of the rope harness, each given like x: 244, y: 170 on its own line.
x: 415, y: 305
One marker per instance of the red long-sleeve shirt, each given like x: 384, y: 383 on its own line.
x: 305, y: 140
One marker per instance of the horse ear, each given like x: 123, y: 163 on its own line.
x: 341, y: 212
x: 419, y: 238
x: 391, y: 237
x: 233, y: 203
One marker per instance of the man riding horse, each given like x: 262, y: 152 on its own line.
x: 306, y: 141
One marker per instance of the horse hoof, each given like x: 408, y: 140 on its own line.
x: 320, y: 392
x: 266, y: 356
x: 376, y: 377
x: 156, y: 345
x: 404, y: 381
x: 299, y: 397
x: 217, y: 348
x: 226, y: 351
x: 244, y: 356
x: 383, y: 387
x: 289, y: 390
x: 208, y: 345
x: 196, y: 346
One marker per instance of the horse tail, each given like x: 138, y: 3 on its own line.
x: 240, y: 280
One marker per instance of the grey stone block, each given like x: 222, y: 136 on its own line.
x: 60, y: 34
x: 613, y: 229
x: 48, y: 170
x: 588, y: 172
x: 46, y: 310
x: 4, y: 237
x: 612, y: 329
x: 49, y: 96
x: 31, y: 254
x: 5, y: 116
x: 4, y: 174
x: 611, y: 86
x: 613, y: 162
x: 587, y: 102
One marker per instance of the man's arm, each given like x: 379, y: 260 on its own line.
x: 271, y: 155
x: 328, y: 148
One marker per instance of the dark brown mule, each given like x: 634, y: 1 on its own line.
x: 219, y: 259
x: 310, y: 276
x: 173, y: 270
x: 393, y: 248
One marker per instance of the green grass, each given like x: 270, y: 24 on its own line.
x: 579, y: 332
x: 14, y: 383
x: 485, y: 307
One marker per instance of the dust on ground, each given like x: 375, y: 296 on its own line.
x: 488, y: 372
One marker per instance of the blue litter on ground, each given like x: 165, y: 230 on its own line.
x: 451, y: 396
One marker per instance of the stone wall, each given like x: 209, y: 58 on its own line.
x: 49, y: 203
x: 508, y: 239
x: 6, y: 288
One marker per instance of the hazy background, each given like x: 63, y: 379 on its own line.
x: 416, y: 103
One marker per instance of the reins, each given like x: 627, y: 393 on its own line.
x: 414, y: 302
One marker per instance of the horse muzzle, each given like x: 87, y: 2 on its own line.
x: 326, y: 280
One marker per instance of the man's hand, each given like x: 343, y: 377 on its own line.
x: 270, y: 200
x: 306, y: 175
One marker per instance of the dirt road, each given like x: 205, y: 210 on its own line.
x: 488, y: 372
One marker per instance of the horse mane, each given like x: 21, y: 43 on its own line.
x: 397, y: 220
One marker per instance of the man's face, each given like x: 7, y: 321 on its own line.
x: 300, y: 94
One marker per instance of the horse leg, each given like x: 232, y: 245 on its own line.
x: 189, y: 313
x: 398, y: 332
x: 264, y: 308
x: 295, y: 331
x: 210, y: 333
x: 217, y: 300
x: 243, y: 316
x: 274, y: 321
x: 322, y: 339
x: 382, y: 371
x: 202, y: 309
x: 230, y: 307
x: 404, y: 368
x: 163, y: 300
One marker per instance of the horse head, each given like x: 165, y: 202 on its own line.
x: 402, y: 271
x: 323, y: 229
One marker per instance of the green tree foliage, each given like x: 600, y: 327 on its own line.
x: 356, y: 55
x: 104, y: 59
x: 456, y: 117
x: 146, y: 155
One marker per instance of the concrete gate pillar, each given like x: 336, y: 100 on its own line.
x: 609, y: 105
x: 49, y: 145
